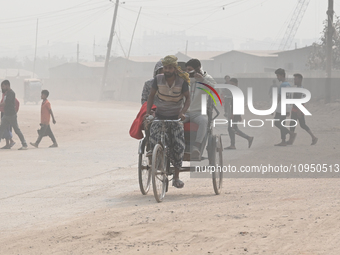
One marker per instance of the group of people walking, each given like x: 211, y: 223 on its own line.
x: 9, y: 106
x: 295, y: 114
x: 175, y: 94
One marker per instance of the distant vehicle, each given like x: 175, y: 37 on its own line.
x: 32, y: 90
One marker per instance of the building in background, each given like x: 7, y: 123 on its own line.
x: 206, y: 58
x: 234, y: 62
x: 76, y: 80
x: 296, y: 59
x: 126, y: 77
x: 16, y: 78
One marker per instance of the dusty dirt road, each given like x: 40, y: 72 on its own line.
x: 83, y: 197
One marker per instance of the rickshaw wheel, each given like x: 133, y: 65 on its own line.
x: 159, y: 176
x: 216, y: 158
x: 144, y: 173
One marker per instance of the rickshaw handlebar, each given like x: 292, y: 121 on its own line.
x: 179, y: 120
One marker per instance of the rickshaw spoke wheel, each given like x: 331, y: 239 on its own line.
x: 216, y: 158
x: 144, y: 173
x: 159, y: 177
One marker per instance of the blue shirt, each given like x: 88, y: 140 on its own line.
x: 284, y: 84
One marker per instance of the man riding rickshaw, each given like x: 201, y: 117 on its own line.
x: 166, y: 140
x: 170, y: 88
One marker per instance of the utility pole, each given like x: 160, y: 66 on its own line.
x: 94, y: 49
x: 186, y: 48
x: 133, y: 33
x: 35, y: 51
x: 329, y: 53
x: 49, y: 60
x: 109, y: 45
x: 78, y: 53
x: 49, y: 57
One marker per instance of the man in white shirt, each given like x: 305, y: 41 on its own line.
x: 194, y: 113
x: 281, y: 76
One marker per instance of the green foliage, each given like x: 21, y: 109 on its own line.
x: 317, y: 58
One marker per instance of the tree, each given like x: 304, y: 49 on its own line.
x: 10, y: 63
x: 317, y: 58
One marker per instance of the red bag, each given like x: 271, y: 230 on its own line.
x: 137, y: 125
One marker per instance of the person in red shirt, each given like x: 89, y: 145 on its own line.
x: 8, y: 136
x: 46, y: 113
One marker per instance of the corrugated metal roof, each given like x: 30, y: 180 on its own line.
x: 260, y: 53
x: 299, y: 49
x: 203, y: 55
x: 87, y: 64
x: 208, y: 55
x: 92, y: 64
x: 153, y: 59
x: 4, y: 73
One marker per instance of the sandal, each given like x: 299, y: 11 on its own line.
x: 230, y: 148
x: 177, y: 183
x: 281, y: 144
x: 314, y: 141
x: 149, y: 153
x: 292, y: 138
x: 11, y: 144
x: 195, y: 154
x: 250, y: 141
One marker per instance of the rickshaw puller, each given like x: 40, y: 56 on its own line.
x: 170, y: 89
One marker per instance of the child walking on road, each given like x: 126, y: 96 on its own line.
x: 46, y: 113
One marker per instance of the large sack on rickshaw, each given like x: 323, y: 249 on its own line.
x: 137, y: 125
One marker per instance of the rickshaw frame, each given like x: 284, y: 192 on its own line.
x: 148, y: 170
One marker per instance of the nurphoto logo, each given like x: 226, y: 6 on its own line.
x: 238, y: 103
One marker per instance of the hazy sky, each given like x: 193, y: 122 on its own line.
x: 75, y: 21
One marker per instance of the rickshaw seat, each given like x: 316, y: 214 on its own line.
x: 190, y: 126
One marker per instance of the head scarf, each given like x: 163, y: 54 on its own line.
x: 158, y: 66
x: 172, y: 61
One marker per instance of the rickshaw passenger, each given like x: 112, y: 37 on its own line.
x: 146, y: 92
x: 194, y: 114
x: 148, y: 84
x: 170, y: 90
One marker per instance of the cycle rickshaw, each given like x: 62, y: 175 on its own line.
x: 156, y: 167
x: 32, y: 90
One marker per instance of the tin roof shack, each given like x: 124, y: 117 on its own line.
x: 294, y: 60
x: 76, y: 81
x: 234, y: 61
x: 205, y: 57
x: 126, y: 77
x: 16, y: 77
